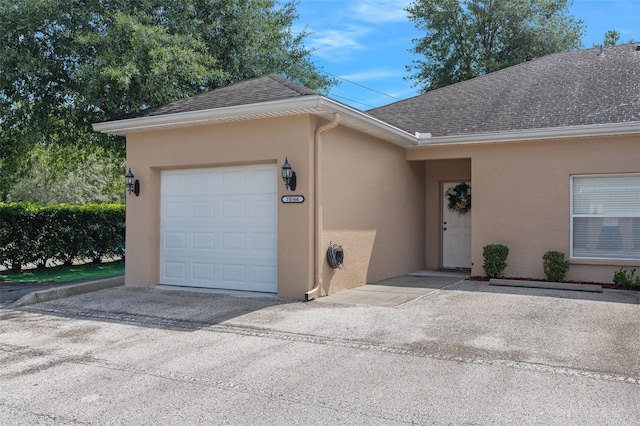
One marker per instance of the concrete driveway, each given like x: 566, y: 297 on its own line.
x: 397, y: 290
x: 465, y: 354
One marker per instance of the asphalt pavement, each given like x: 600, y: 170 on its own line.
x: 463, y: 353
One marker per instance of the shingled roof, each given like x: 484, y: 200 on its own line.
x: 563, y: 90
x: 571, y: 88
x: 271, y: 87
x: 259, y: 98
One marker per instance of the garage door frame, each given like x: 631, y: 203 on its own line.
x: 219, y: 227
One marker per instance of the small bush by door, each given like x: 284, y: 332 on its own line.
x: 495, y: 260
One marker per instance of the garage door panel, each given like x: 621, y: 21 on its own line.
x: 176, y: 270
x: 232, y: 273
x: 232, y: 276
x: 203, y: 241
x: 175, y: 240
x: 228, y: 273
x: 203, y: 210
x: 202, y: 271
x: 174, y: 210
x: 219, y: 228
x: 233, y: 241
x: 203, y: 180
x: 233, y: 180
x: 233, y: 209
x: 257, y: 180
x: 174, y: 182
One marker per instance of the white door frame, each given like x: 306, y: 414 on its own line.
x: 455, y: 232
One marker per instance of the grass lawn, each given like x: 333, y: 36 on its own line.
x: 65, y: 274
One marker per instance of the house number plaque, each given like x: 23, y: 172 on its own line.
x: 293, y: 199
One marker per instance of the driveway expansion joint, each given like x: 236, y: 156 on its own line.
x: 251, y: 331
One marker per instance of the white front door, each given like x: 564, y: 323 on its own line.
x: 456, y: 233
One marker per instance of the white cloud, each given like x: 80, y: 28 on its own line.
x: 373, y: 74
x: 378, y: 11
x: 335, y: 45
x: 340, y: 31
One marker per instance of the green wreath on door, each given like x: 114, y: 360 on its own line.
x: 459, y: 198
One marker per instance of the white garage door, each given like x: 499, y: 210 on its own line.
x: 219, y: 228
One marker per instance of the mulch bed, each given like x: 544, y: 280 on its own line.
x: 604, y: 285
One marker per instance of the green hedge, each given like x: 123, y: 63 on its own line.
x: 33, y: 234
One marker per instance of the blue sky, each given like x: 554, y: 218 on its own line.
x: 368, y: 42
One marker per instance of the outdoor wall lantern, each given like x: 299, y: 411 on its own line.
x: 288, y: 176
x: 133, y: 185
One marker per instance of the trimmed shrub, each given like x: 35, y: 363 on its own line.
x: 625, y: 278
x: 104, y: 235
x: 15, y: 235
x: 495, y: 260
x: 555, y: 266
x: 63, y: 233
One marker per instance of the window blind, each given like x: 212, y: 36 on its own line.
x: 605, y: 216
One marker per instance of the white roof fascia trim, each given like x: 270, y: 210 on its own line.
x: 122, y: 127
x: 334, y: 106
x: 633, y: 127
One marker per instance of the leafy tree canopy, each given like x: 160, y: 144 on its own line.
x: 56, y: 174
x: 65, y: 65
x: 467, y: 38
x: 611, y: 38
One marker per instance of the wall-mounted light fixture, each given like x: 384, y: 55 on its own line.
x: 288, y: 176
x: 133, y: 185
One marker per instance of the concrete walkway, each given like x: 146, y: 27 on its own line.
x: 397, y: 290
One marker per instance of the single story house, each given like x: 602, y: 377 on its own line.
x: 550, y: 147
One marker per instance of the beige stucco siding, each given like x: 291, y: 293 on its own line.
x: 385, y: 211
x: 373, y: 199
x: 373, y: 205
x: 521, y: 196
x: 256, y: 142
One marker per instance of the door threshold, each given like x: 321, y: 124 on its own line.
x: 464, y: 273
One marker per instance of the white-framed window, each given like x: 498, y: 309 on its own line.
x: 605, y: 216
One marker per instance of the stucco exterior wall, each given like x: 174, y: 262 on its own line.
x: 373, y: 205
x: 373, y: 199
x: 231, y: 144
x: 521, y: 196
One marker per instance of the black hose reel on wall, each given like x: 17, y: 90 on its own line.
x: 335, y: 256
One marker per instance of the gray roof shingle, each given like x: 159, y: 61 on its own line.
x: 564, y: 89
x: 268, y: 88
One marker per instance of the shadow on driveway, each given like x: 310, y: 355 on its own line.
x: 183, y: 310
x: 178, y: 310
